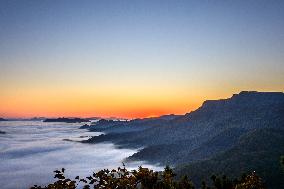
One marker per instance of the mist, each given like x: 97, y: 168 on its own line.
x: 31, y: 150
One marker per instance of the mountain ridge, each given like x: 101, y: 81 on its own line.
x: 214, y: 128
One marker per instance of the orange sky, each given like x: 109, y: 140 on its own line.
x: 87, y: 103
x: 127, y: 97
x: 135, y: 59
x: 110, y: 102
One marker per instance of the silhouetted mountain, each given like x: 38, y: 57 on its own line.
x: 27, y: 119
x: 118, y: 126
x: 37, y: 119
x: 241, y: 113
x: 2, y: 119
x: 67, y: 120
x: 2, y: 132
x: 216, y: 127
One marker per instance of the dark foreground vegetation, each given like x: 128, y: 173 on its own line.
x: 145, y: 178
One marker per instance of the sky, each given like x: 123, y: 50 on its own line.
x: 135, y: 58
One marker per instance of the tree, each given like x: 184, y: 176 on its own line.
x: 251, y: 181
x: 144, y: 178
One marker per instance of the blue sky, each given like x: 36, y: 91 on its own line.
x: 188, y: 50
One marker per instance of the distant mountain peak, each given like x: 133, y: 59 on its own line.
x: 256, y: 93
x: 249, y: 95
x: 2, y: 119
x: 240, y: 104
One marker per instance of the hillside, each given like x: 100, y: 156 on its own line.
x: 224, y: 120
x: 198, y: 132
x: 258, y: 150
x: 116, y: 126
x: 217, y: 127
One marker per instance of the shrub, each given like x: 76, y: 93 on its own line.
x: 144, y: 178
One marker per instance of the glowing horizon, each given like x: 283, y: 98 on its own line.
x: 135, y: 59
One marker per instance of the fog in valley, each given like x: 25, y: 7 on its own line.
x: 31, y: 150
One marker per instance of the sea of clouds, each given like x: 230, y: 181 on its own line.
x: 31, y: 150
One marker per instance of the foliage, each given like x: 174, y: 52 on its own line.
x: 251, y: 181
x: 144, y: 178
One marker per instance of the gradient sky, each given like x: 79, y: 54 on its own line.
x: 135, y: 58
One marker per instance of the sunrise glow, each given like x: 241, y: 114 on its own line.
x: 135, y: 59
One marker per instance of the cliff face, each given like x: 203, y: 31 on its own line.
x: 219, y: 128
x: 261, y: 107
x: 246, y: 110
x: 246, y: 99
x: 215, y: 126
x: 217, y: 134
